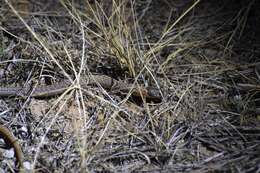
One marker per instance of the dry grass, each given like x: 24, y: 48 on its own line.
x: 209, y: 115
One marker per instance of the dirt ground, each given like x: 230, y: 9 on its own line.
x: 201, y: 56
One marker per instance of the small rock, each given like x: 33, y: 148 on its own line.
x: 9, y: 154
x: 27, y: 165
x: 2, y: 171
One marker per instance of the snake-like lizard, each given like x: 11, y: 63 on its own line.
x: 11, y: 141
x: 51, y: 90
x: 98, y: 80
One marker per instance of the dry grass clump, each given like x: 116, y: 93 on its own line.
x: 193, y: 54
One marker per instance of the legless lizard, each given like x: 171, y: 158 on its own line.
x: 11, y: 141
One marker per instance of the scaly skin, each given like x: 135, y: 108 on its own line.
x: 96, y: 80
x: 11, y: 141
